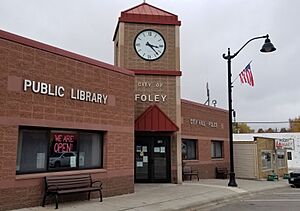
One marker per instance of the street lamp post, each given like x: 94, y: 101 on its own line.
x: 267, y: 47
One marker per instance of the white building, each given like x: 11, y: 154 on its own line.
x: 289, y: 141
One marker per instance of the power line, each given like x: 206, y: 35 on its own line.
x: 269, y: 122
x: 263, y: 122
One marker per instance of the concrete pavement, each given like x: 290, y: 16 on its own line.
x: 188, y: 196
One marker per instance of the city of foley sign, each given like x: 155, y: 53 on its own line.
x: 59, y: 91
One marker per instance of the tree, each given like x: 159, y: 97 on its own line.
x: 270, y: 130
x: 294, y: 124
x: 260, y: 130
x: 283, y: 130
x: 241, y: 128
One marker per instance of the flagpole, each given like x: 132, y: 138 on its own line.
x: 234, y: 80
x: 267, y: 47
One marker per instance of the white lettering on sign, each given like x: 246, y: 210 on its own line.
x: 144, y: 84
x: 150, y: 98
x: 149, y: 84
x: 204, y: 123
x: 59, y: 91
x: 77, y: 94
x: 159, y: 84
x: 43, y: 88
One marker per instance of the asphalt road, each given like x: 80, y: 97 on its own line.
x: 287, y: 199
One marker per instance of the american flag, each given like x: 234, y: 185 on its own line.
x: 246, y: 75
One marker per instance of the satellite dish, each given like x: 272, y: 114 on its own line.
x: 214, y: 102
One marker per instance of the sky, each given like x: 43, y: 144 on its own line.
x: 208, y: 29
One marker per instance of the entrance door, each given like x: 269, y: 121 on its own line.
x: 152, y: 159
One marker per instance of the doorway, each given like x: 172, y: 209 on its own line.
x: 152, y: 159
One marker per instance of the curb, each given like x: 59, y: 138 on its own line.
x: 222, y: 200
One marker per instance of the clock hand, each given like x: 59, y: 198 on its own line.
x: 148, y: 44
x: 151, y: 46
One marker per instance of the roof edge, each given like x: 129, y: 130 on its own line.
x: 202, y: 105
x: 147, y: 19
x: 157, y: 72
x: 61, y: 52
x: 144, y: 3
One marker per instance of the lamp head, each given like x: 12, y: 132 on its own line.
x: 268, y: 46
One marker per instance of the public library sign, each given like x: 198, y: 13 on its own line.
x: 59, y: 91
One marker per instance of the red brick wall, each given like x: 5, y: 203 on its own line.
x: 18, y: 108
x: 207, y: 124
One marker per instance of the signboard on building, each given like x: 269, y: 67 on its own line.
x: 284, y: 143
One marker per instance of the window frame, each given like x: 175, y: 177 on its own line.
x: 213, y: 153
x: 271, y: 160
x: 195, y: 142
x: 49, y: 132
x: 281, y: 162
x: 289, y: 155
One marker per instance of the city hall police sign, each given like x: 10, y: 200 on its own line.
x: 59, y: 91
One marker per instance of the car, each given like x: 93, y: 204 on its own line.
x: 294, y: 179
x: 61, y: 159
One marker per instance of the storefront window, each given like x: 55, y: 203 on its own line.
x: 42, y: 150
x: 217, y: 149
x: 280, y: 158
x: 189, y: 149
x: 266, y: 159
x: 32, y: 151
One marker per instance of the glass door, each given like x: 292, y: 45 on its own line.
x: 152, y: 159
x: 142, y: 166
x: 161, y: 153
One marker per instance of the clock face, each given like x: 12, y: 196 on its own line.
x: 149, y: 44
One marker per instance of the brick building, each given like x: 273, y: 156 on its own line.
x: 204, y: 138
x: 64, y: 114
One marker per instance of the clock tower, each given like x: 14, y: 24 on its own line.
x: 146, y: 41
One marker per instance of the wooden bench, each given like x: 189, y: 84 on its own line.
x: 221, y: 173
x: 187, y: 171
x: 60, y: 185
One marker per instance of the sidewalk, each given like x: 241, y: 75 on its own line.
x: 153, y: 197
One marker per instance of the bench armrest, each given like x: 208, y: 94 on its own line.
x: 98, y: 183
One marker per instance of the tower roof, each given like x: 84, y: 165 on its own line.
x: 146, y: 13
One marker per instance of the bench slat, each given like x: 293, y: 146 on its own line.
x: 78, y: 190
x: 67, y: 181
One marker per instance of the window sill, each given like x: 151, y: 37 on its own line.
x: 217, y: 159
x: 265, y: 170
x: 193, y: 160
x: 61, y: 173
